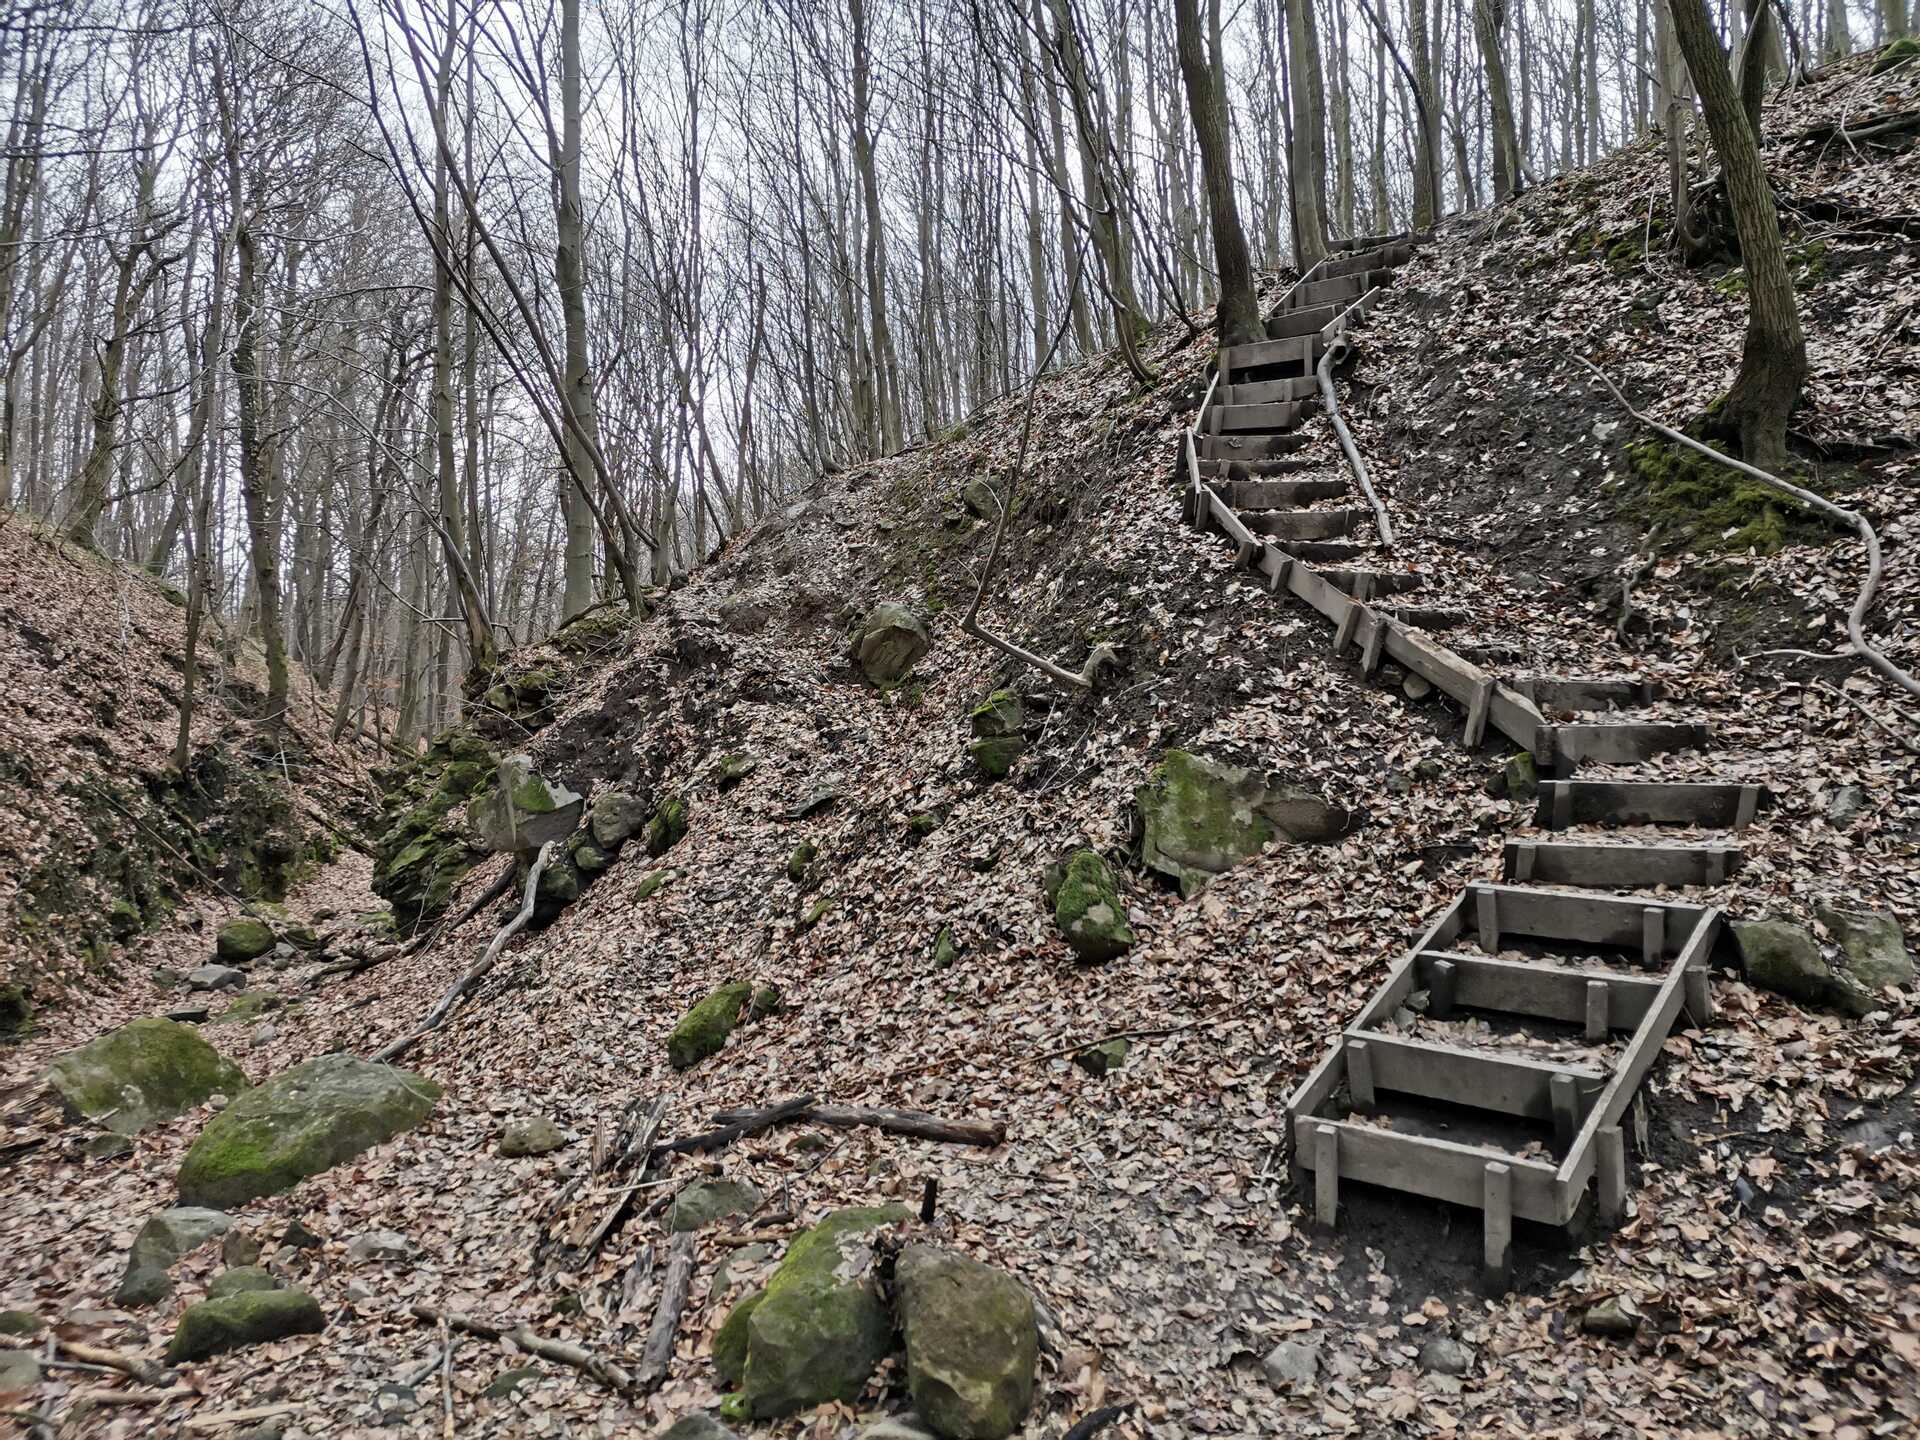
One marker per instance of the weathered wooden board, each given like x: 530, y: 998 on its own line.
x: 1293, y: 351
x: 1233, y: 419
x: 1247, y: 495
x: 1589, y: 919
x: 1547, y: 992
x: 1627, y: 743
x: 1304, y: 524
x: 1456, y: 1075
x: 1647, y: 802
x: 1422, y: 1165
x: 1568, y: 692
x: 1300, y: 320
x: 1617, y: 866
x: 1247, y: 447
x: 1268, y: 392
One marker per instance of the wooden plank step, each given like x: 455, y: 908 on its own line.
x: 1648, y: 802
x: 1359, y: 262
x: 1424, y: 1165
x: 1267, y: 392
x: 1305, y: 524
x: 1371, y: 242
x: 1457, y: 1075
x: 1532, y: 988
x: 1658, y: 928
x: 1255, y: 469
x: 1227, y: 419
x: 1246, y: 495
x: 1247, y: 447
x: 1331, y: 552
x: 1339, y: 292
x: 1292, y: 353
x: 1426, y: 617
x: 1625, y: 744
x: 1303, y: 320
x: 1379, y: 582
x: 1625, y: 867
x: 1567, y: 692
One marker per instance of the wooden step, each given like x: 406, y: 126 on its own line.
x: 1566, y: 692
x: 1624, y: 744
x: 1267, y: 392
x: 1255, y: 469
x: 1229, y: 419
x: 1604, y: 866
x: 1305, y: 524
x: 1648, y: 802
x: 1251, y: 495
x: 1304, y: 320
x: 1426, y: 617
x: 1375, y: 582
x: 1656, y: 928
x: 1339, y: 292
x: 1601, y: 1000
x: 1371, y: 242
x: 1326, y: 552
x: 1296, y: 355
x: 1376, y: 257
x: 1247, y: 447
x: 1458, y: 1075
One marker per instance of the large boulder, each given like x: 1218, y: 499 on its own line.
x: 889, y: 643
x: 1200, y: 818
x: 1089, y: 911
x: 165, y: 1237
x: 1873, y: 951
x: 704, y: 1028
x: 524, y: 810
x: 252, y: 1317
x: 1783, y: 957
x: 615, y: 817
x: 972, y: 1341
x: 300, y: 1123
x: 142, y: 1074
x: 243, y: 939
x: 820, y: 1327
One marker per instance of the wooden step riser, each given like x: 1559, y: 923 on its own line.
x: 1555, y: 692
x: 1655, y: 928
x: 1376, y: 582
x: 1353, y: 243
x: 1647, y: 802
x: 1620, y: 867
x: 1381, y: 257
x: 1602, y: 1001
x: 1244, y: 470
x: 1296, y: 355
x: 1624, y: 744
x: 1251, y: 495
x: 1424, y: 617
x: 1304, y: 524
x: 1310, y: 320
x: 1262, y: 419
x: 1267, y: 392
x: 1455, y: 1075
x: 1247, y: 447
x: 1325, y: 552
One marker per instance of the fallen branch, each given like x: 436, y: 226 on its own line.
x: 478, y: 971
x: 658, y: 1354
x: 220, y: 1419
x: 915, y: 1123
x: 99, y: 1395
x: 751, y: 1123
x: 145, y: 1371
x: 1097, y: 1421
x: 640, y: 1148
x: 1335, y: 352
x: 561, y: 1352
x: 1634, y: 574
x: 1856, y: 617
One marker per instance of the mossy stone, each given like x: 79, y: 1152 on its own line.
x: 1904, y: 51
x: 705, y: 1202
x: 524, y: 810
x: 252, y: 1318
x: 766, y: 1001
x: 1089, y: 911
x: 730, y: 1341
x: 615, y: 817
x: 816, y: 912
x: 300, y: 1123
x: 1523, y: 781
x: 1873, y: 951
x: 704, y: 1029
x: 668, y: 826
x: 1199, y: 818
x: 733, y: 769
x: 1783, y: 957
x: 821, y: 1328
x: 242, y: 1280
x: 1000, y: 714
x: 1104, y: 1058
x: 16, y: 1009
x: 972, y: 1343
x: 995, y: 758
x: 945, y: 953
x: 20, y: 1322
x: 923, y: 824
x: 889, y: 643
x: 588, y: 858
x: 244, y: 939
x: 652, y: 885
x: 142, y: 1074
x: 803, y: 856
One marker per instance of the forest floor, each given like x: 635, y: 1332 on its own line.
x: 1771, y: 1247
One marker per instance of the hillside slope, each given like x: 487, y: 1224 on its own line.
x: 1773, y: 1178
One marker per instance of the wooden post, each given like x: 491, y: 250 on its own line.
x: 1282, y: 567
x: 1610, y: 1168
x: 1497, y: 1202
x: 1746, y: 806
x: 1243, y: 556
x: 1477, y: 709
x: 1376, y: 642
x: 1597, y: 1005
x: 1716, y: 866
x: 1440, y: 996
x: 1698, y: 995
x: 1349, y: 622
x: 1523, y: 858
x: 1326, y: 1176
x: 1566, y: 1110
x: 1487, y: 920
x: 1654, y: 940
x: 1360, y: 1075
x: 1562, y: 804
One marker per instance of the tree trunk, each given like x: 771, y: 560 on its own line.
x: 1506, y: 140
x: 1308, y: 98
x: 570, y: 278
x: 1204, y: 70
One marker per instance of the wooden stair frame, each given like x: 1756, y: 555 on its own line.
x: 1585, y: 1105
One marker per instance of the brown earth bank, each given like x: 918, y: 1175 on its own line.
x: 1765, y: 1279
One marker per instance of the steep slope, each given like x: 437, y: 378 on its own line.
x: 1148, y: 1209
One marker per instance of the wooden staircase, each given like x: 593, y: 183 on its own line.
x: 1569, y: 983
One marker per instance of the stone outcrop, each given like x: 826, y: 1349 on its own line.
x: 1089, y: 911
x: 704, y: 1029
x: 889, y: 643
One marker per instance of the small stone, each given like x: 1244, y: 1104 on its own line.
x: 1416, y: 687
x: 107, y: 1147
x: 218, y: 1101
x: 994, y: 757
x: 977, y: 496
x: 380, y: 1246
x: 800, y: 860
x: 589, y: 858
x: 896, y: 1427
x: 706, y: 1201
x: 19, y: 1370
x: 265, y: 1033
x: 1104, y: 1058
x: 733, y: 769
x: 240, y: 1280
x: 704, y: 1029
x: 1617, y: 1317
x: 1523, y: 781
x: 298, y: 1237
x: 1293, y: 1363
x: 395, y: 1403
x: 767, y: 1001
x: 240, y: 1249
x: 215, y: 977
x: 1444, y: 1355
x: 167, y: 1235
x: 1849, y: 803
x: 187, y: 1015
x: 654, y: 882
x: 698, y: 1426
x: 615, y: 818
x: 20, y: 1322
x: 508, y: 1381
x: 143, y: 1285
x: 535, y: 1136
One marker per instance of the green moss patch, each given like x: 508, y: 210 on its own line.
x: 1704, y: 506
x: 704, y: 1029
x: 142, y: 1074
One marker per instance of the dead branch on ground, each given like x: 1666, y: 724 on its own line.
x: 561, y: 1352
x: 915, y: 1123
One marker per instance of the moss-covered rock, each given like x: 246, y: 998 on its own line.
x: 994, y: 758
x: 244, y: 939
x: 144, y: 1073
x: 972, y: 1343
x: 248, y: 1006
x: 1873, y: 951
x: 1088, y: 909
x: 1904, y: 51
x: 945, y: 953
x: 767, y: 1000
x: 977, y: 496
x: 164, y: 1238
x: 705, y: 1202
x: 1704, y: 506
x: 300, y: 1123
x: 732, y: 769
x: 1000, y: 714
x: 800, y: 862
x: 816, y: 912
x: 615, y: 817
x: 534, y: 1136
x: 1104, y: 1058
x: 704, y: 1029
x: 252, y: 1318
x: 889, y: 643
x: 820, y: 1327
x: 1522, y: 780
x: 653, y: 884
x: 588, y: 858
x: 730, y: 1341
x: 524, y: 810
x: 20, y: 1322
x: 242, y: 1280
x: 668, y: 827
x: 426, y: 849
x: 1783, y: 957
x: 1200, y: 818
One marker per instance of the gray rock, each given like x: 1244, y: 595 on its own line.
x: 215, y: 1326
x: 107, y: 1147
x: 1200, y: 818
x: 1444, y: 1355
x: 1849, y: 803
x: 697, y: 1426
x: 742, y: 1259
x: 523, y: 810
x: 298, y: 1237
x: 162, y: 1240
x: 977, y: 495
x: 20, y: 1322
x: 394, y: 1404
x: 972, y: 1340
x: 1780, y: 956
x: 1618, y: 1317
x: 240, y: 1280
x: 142, y: 1285
x: 240, y: 1249
x: 896, y: 1427
x: 616, y: 817
x: 1292, y: 1362
x: 382, y: 1247
x: 1873, y: 952
x: 508, y: 1381
x: 889, y: 643
x: 534, y: 1136
x: 215, y: 977
x: 187, y: 1014
x: 705, y: 1201
x: 265, y: 1033
x: 19, y: 1370
x: 243, y: 939
x: 1416, y: 687
x: 140, y: 1075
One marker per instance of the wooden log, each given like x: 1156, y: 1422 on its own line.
x: 1541, y: 990
x: 657, y: 1356
x: 1376, y: 640
x: 1487, y: 919
x: 914, y: 1123
x: 743, y: 1123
